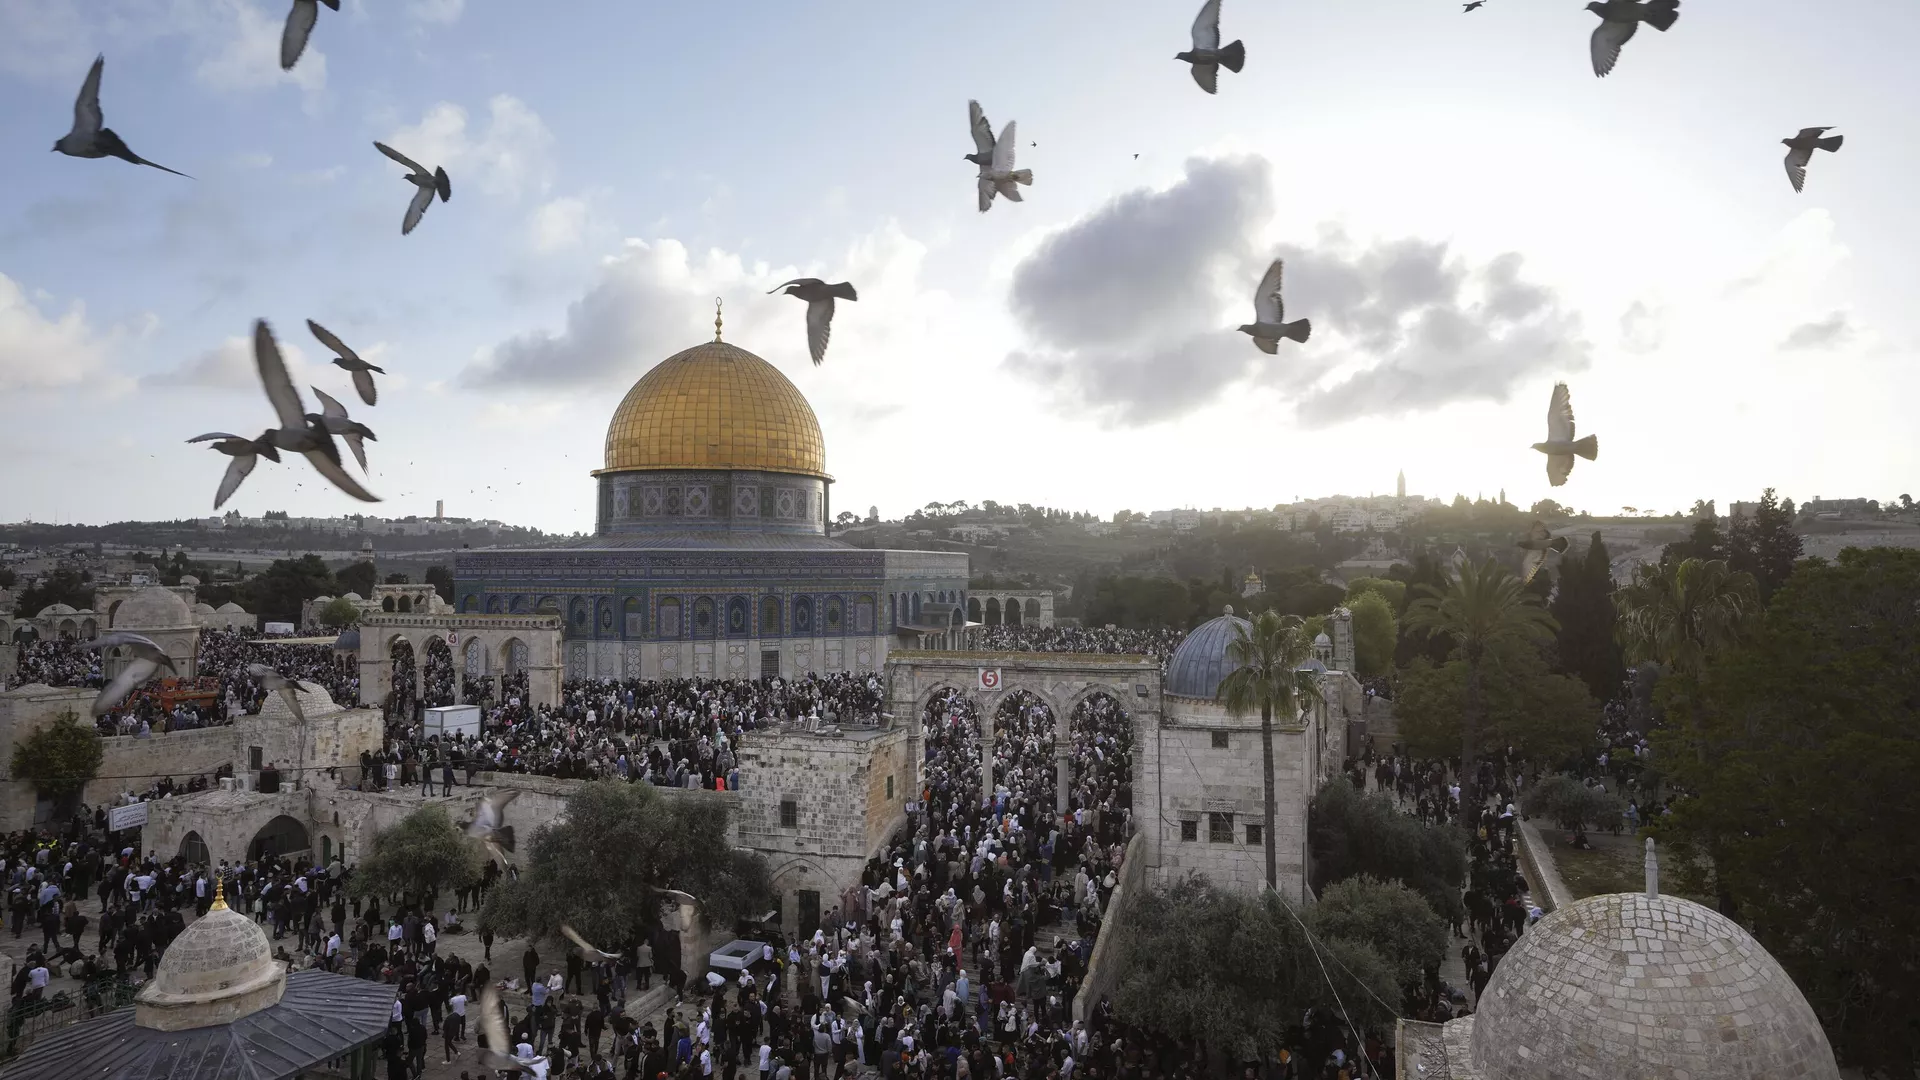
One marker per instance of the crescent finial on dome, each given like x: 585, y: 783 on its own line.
x: 716, y: 318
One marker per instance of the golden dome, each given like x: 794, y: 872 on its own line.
x: 715, y: 406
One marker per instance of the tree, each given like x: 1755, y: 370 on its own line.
x: 1374, y: 633
x: 340, y: 613
x: 1547, y: 508
x: 1583, y: 607
x: 1394, y: 592
x: 358, y: 578
x: 7, y: 578
x: 425, y: 853
x: 1765, y: 544
x: 1678, y: 614
x: 1798, y: 751
x: 1547, y: 717
x: 1702, y: 508
x: 601, y: 867
x: 1483, y: 608
x: 69, y: 587
x: 1706, y: 543
x: 59, y: 759
x: 1234, y: 972
x: 399, y: 579
x: 278, y: 592
x: 1267, y: 655
x: 441, y: 579
x: 1351, y: 834
x: 1394, y: 920
x: 1571, y: 804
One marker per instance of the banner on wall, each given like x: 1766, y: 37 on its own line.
x: 989, y: 679
x: 130, y: 816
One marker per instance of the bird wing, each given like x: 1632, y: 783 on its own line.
x: 359, y: 447
x: 1532, y: 564
x: 137, y: 672
x: 1269, y: 346
x: 1538, y: 531
x: 1559, y: 467
x: 141, y: 645
x: 326, y: 337
x: 1003, y: 149
x: 1207, y: 75
x: 416, y: 209
x: 986, y: 187
x: 571, y: 935
x: 293, y: 703
x: 213, y: 435
x: 266, y: 676
x: 273, y: 376
x: 399, y: 157
x: 795, y: 281
x: 237, y: 470
x: 819, y: 327
x: 1608, y: 37
x: 497, y: 804
x: 86, y: 107
x: 1206, y: 26
x: 1812, y: 133
x: 982, y: 130
x: 1267, y: 305
x: 331, y: 469
x: 679, y: 897
x: 492, y: 1024
x: 1797, y: 158
x: 293, y: 40
x: 1560, y: 415
x: 329, y: 405
x: 363, y: 382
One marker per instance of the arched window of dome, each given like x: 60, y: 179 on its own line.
x: 496, y: 605
x: 670, y: 617
x: 863, y: 615
x: 770, y: 616
x: 737, y: 616
x: 471, y: 605
x: 549, y: 605
x: 633, y: 617
x: 703, y: 617
x: 835, y: 615
x: 802, y: 615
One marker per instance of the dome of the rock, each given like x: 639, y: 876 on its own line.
x: 715, y: 406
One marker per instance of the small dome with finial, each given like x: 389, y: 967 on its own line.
x: 218, y: 970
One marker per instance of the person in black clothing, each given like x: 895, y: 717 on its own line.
x: 595, y: 1023
x: 574, y: 964
x: 529, y: 963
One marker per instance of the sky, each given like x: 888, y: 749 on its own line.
x: 1467, y: 215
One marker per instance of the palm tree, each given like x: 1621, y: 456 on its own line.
x: 1483, y: 608
x: 1267, y: 656
x: 1677, y: 614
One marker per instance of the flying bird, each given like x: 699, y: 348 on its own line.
x: 430, y: 184
x: 1001, y: 177
x: 1561, y: 446
x: 89, y: 137
x: 1800, y: 150
x: 334, y: 416
x: 493, y: 1025
x: 1206, y: 58
x: 1619, y: 19
x: 147, y: 660
x: 819, y: 297
x: 300, y: 431
x: 1270, y: 314
x: 280, y: 684
x: 293, y: 40
x: 350, y: 360
x: 489, y: 823
x: 982, y: 136
x: 1536, y: 544
x: 1475, y: 4
x: 246, y: 453
x: 587, y: 952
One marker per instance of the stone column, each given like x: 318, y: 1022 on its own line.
x: 543, y: 684
x: 1063, y: 776
x: 986, y: 754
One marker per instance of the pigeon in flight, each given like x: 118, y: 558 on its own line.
x: 285, y: 687
x: 300, y: 431
x: 334, y: 415
x: 819, y: 297
x: 246, y: 453
x: 1619, y: 19
x: 89, y: 138
x: 489, y: 824
x: 493, y: 1025
x: 982, y: 136
x: 344, y: 357
x: 293, y: 40
x: 1561, y: 446
x: 587, y: 952
x: 1536, y: 544
x: 1475, y: 4
x: 1000, y: 177
x: 430, y: 184
x: 1207, y: 57
x: 1800, y: 150
x: 1270, y: 314
x: 147, y: 660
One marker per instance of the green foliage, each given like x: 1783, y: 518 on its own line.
x: 59, y: 758
x: 1571, y: 804
x: 1583, y: 607
x: 340, y: 612
x: 425, y: 852
x: 1679, y: 614
x: 1393, y: 920
x: 1266, y: 655
x: 278, y: 593
x: 1227, y: 969
x: 7, y: 578
x: 1800, y: 750
x: 601, y: 866
x: 1765, y: 544
x: 1549, y: 718
x: 356, y: 577
x: 441, y: 579
x: 1351, y: 834
x: 1394, y: 592
x: 69, y: 587
x: 1374, y: 632
x: 1139, y: 603
x: 1706, y: 543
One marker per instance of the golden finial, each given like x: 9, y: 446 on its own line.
x: 219, y: 894
x: 716, y: 318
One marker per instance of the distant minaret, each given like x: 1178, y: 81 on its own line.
x: 1400, y: 487
x: 1503, y: 496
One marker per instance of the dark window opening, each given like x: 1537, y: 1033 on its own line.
x: 1190, y: 830
x: 1220, y: 828
x: 789, y: 814
x: 1219, y: 740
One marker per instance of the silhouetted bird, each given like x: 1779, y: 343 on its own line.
x: 430, y: 184
x: 1619, y: 19
x: 1270, y: 314
x: 293, y: 39
x: 245, y: 454
x: 819, y: 297
x: 300, y: 431
x: 1475, y: 4
x: 1800, y: 150
x: 145, y: 659
x: 1207, y: 57
x: 1536, y: 544
x: 1000, y: 177
x: 1561, y: 447
x: 350, y: 360
x: 89, y: 137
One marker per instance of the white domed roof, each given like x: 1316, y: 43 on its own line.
x: 153, y: 608
x: 203, y: 608
x: 1625, y: 984
x: 54, y: 609
x: 231, y: 608
x: 189, y: 579
x: 218, y: 970
x: 353, y: 596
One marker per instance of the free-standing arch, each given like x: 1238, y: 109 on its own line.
x: 510, y: 644
x: 281, y: 836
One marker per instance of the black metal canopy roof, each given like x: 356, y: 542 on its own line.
x: 321, y: 1017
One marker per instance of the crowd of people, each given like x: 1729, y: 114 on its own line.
x: 1032, y: 637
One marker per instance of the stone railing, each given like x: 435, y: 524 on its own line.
x: 1536, y: 864
x: 1103, y: 966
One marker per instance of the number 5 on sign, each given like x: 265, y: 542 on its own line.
x: 989, y: 679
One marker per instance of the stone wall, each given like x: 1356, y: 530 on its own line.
x: 23, y: 711
x: 9, y: 658
x: 1102, y: 967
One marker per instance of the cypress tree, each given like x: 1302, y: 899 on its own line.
x: 1583, y: 606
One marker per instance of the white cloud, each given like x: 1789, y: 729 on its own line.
x: 248, y: 57
x: 511, y: 157
x: 559, y: 224
x: 229, y: 366
x: 436, y: 11
x: 41, y: 353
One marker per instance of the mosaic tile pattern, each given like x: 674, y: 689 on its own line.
x: 1623, y: 985
x: 715, y: 406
